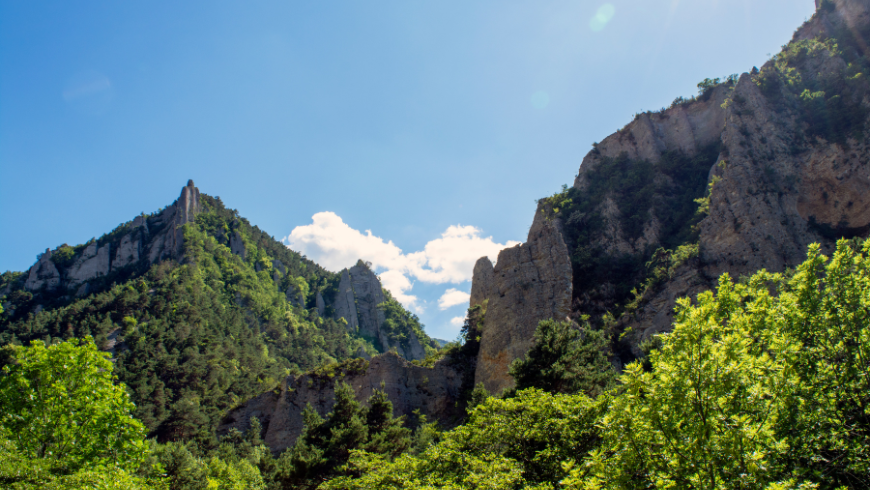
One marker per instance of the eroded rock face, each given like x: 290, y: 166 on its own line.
x: 434, y: 391
x: 779, y: 189
x: 482, y: 281
x: 368, y: 295
x: 127, y: 253
x: 686, y: 128
x: 530, y: 282
x: 320, y: 304
x: 237, y: 245
x: 345, y: 304
x: 43, y: 274
x: 771, y: 202
x: 359, y: 294
x: 139, y: 243
x: 168, y: 243
x: 93, y: 262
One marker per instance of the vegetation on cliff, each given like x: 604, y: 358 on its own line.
x: 761, y: 384
x: 192, y: 340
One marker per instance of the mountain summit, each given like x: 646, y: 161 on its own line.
x: 201, y: 310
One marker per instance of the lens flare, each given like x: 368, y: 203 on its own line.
x: 602, y: 17
x: 540, y: 99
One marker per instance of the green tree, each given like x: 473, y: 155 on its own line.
x: 565, y: 359
x: 60, y: 404
x: 760, y: 385
x: 326, y: 443
x: 519, y: 442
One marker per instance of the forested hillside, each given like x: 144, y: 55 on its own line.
x: 693, y: 313
x: 229, y: 316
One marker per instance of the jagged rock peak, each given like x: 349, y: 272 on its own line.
x: 188, y: 203
x: 359, y: 294
x: 529, y: 283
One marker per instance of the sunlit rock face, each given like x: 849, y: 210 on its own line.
x: 359, y: 294
x: 434, y: 391
x: 93, y: 262
x: 529, y: 283
x: 43, y: 274
x: 778, y: 187
x: 150, y: 238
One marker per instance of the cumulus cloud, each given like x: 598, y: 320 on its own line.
x: 333, y: 244
x: 398, y: 285
x: 451, y: 258
x: 457, y: 321
x: 452, y: 297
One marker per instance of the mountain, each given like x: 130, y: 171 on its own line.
x: 740, y: 178
x: 201, y: 311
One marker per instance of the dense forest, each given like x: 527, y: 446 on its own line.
x: 761, y: 381
x: 191, y: 340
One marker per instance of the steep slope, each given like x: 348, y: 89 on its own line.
x: 199, y: 309
x: 740, y: 178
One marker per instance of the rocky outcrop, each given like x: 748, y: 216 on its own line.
x: 168, y: 243
x: 685, y: 127
x: 778, y: 186
x: 92, y: 263
x: 345, y: 302
x: 434, y: 391
x: 43, y: 274
x: 237, y: 245
x: 154, y: 238
x: 367, y: 294
x: 359, y: 294
x: 529, y: 283
x: 127, y: 253
x: 482, y: 280
x: 320, y: 304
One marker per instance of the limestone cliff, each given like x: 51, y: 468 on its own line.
x: 529, y: 283
x: 434, y: 391
x: 357, y: 301
x: 150, y: 238
x: 784, y: 150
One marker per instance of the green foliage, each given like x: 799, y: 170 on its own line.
x: 326, y: 443
x: 60, y: 405
x: 341, y: 369
x: 827, y: 96
x: 565, y: 358
x: 751, y: 390
x: 519, y: 442
x: 462, y: 356
x: 63, y: 255
x: 662, y: 266
x: 194, y: 340
x: 760, y: 385
x: 238, y: 462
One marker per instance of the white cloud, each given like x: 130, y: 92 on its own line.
x: 333, y: 244
x: 398, y: 284
x: 330, y: 242
x: 457, y: 321
x: 451, y: 258
x: 452, y: 297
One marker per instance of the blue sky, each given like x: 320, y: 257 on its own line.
x: 401, y: 118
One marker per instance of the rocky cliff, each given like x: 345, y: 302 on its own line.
x: 150, y: 238
x: 777, y: 159
x: 357, y: 301
x: 434, y: 391
x: 529, y: 283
